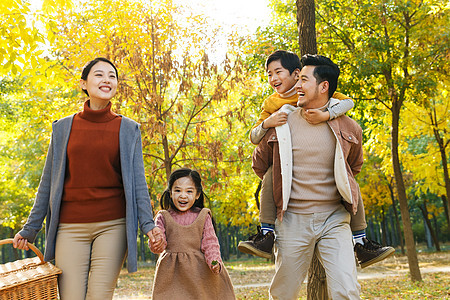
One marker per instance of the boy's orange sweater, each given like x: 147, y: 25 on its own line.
x: 274, y: 102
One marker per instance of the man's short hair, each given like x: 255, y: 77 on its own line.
x: 325, y: 70
x: 289, y: 60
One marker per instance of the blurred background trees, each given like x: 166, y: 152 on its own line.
x: 197, y: 90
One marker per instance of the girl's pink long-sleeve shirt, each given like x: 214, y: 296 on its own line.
x: 210, y: 244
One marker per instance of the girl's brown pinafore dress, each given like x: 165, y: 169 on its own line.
x: 181, y: 271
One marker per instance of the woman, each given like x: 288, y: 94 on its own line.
x: 92, y: 192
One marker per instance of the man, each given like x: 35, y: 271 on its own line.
x: 313, y: 178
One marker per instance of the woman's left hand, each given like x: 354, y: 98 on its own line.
x: 20, y: 243
x: 156, y: 240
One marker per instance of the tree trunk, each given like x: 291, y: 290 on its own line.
x: 15, y: 252
x: 428, y: 238
x: 378, y: 232
x: 436, y: 226
x: 442, y: 148
x: 226, y: 255
x: 142, y: 245
x: 167, y: 158
x: 393, y: 232
x: 371, y: 232
x: 306, y: 24
x: 424, y: 210
x: 445, y: 205
x: 384, y: 238
x: 317, y: 281
x: 401, y: 192
x: 397, y: 220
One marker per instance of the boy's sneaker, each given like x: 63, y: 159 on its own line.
x: 371, y: 252
x: 259, y: 244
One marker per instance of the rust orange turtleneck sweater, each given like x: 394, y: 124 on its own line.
x: 93, y: 189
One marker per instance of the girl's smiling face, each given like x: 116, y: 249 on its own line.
x: 184, y: 193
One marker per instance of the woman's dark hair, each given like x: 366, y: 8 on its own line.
x: 87, y: 68
x: 166, y: 199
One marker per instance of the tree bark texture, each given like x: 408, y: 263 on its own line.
x: 384, y: 231
x: 306, y: 24
x: 442, y: 148
x: 317, y: 281
x: 397, y: 219
x: 401, y: 192
x: 445, y: 205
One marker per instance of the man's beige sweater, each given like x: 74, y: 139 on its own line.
x: 313, y: 152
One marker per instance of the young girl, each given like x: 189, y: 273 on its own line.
x: 190, y: 266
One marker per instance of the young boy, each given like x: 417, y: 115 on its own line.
x: 282, y: 68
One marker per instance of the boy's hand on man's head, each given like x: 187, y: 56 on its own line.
x: 276, y: 119
x: 316, y: 116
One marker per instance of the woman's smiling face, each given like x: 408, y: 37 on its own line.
x: 101, y: 82
x: 184, y: 193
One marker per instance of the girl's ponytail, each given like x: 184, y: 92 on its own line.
x: 165, y: 200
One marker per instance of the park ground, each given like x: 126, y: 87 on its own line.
x: 388, y: 279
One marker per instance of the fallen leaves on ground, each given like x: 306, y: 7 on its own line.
x: 251, y: 277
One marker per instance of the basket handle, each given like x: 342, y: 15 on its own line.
x: 30, y: 245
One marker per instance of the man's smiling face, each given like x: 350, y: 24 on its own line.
x: 308, y: 89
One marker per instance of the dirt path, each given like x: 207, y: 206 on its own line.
x: 257, y: 275
x: 363, y: 275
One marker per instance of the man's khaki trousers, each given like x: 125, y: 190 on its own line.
x: 297, y: 237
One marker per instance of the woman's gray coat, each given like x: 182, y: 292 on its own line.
x: 48, y: 199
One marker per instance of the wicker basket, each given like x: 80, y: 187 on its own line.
x: 29, y: 278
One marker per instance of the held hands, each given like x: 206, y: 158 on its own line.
x: 156, y: 241
x: 20, y: 243
x: 215, y: 267
x: 315, y: 116
x: 276, y: 119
